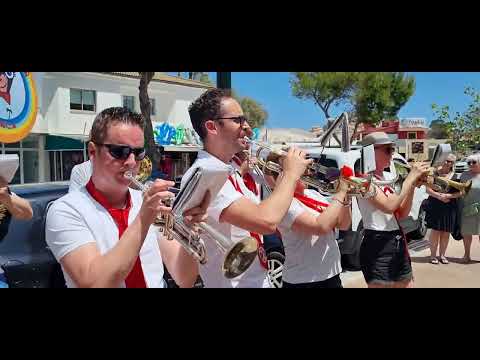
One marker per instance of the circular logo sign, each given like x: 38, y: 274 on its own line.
x: 18, y: 105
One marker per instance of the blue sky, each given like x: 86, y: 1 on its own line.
x: 272, y: 90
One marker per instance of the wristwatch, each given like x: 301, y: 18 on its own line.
x: 9, y: 191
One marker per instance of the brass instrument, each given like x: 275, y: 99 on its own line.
x: 432, y: 180
x: 358, y: 187
x: 238, y: 255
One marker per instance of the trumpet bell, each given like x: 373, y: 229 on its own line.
x: 145, y: 170
x: 239, y: 257
x: 464, y: 188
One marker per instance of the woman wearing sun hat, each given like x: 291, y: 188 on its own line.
x: 384, y: 257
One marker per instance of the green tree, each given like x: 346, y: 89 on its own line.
x: 381, y: 95
x: 253, y: 110
x: 439, y: 129
x: 463, y: 128
x: 145, y: 107
x: 325, y: 89
x: 369, y: 97
x: 206, y: 79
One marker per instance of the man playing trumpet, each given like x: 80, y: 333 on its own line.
x: 219, y: 121
x: 102, y: 234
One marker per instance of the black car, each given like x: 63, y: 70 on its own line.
x: 25, y: 258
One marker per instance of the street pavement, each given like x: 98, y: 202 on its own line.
x: 427, y: 275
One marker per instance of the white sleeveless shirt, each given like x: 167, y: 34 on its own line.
x: 373, y: 218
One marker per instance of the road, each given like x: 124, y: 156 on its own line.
x: 427, y: 275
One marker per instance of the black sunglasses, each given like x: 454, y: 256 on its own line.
x: 387, y: 149
x: 471, y: 162
x: 122, y: 152
x: 449, y: 161
x: 237, y: 119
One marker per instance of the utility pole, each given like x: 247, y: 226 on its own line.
x: 224, y: 81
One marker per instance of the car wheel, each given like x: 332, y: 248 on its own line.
x: 275, y: 262
x: 421, y: 230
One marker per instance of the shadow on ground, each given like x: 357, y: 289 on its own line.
x: 426, y: 259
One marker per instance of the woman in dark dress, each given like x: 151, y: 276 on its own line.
x: 442, y: 214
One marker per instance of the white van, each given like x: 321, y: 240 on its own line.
x: 349, y: 241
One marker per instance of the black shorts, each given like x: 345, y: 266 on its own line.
x: 333, y: 283
x: 383, y: 257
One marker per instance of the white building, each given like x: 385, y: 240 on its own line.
x: 67, y: 105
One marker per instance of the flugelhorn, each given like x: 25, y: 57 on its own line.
x: 432, y: 180
x: 238, y: 255
x: 358, y: 187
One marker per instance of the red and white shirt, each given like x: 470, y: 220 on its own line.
x: 373, y: 218
x: 256, y: 275
x: 77, y: 219
x: 308, y: 258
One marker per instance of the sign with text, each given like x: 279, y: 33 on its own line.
x: 413, y: 122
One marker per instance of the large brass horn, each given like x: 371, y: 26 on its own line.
x: 238, y: 255
x: 358, y: 187
x: 433, y: 181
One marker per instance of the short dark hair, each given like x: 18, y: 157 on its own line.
x: 206, y: 107
x: 110, y: 116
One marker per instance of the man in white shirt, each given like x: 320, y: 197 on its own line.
x: 102, y: 234
x: 219, y: 121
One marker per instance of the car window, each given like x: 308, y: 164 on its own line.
x: 323, y: 160
x: 328, y: 162
x: 357, y: 167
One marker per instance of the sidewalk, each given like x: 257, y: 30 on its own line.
x: 427, y: 275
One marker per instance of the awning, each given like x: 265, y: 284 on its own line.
x: 65, y: 142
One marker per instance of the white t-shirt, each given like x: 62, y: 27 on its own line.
x: 308, y: 258
x: 77, y: 219
x: 373, y: 218
x: 256, y: 275
x: 80, y: 175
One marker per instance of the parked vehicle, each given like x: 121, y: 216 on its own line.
x: 461, y: 166
x: 25, y: 259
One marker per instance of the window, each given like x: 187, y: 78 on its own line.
x: 152, y: 107
x: 329, y: 163
x: 28, y: 155
x: 129, y: 102
x: 82, y: 100
x: 417, y: 148
x: 412, y: 135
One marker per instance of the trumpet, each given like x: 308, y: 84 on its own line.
x: 357, y: 187
x: 238, y: 255
x: 432, y: 180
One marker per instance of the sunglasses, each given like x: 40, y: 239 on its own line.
x: 122, y: 152
x: 470, y: 163
x: 387, y: 149
x: 236, y: 119
x: 449, y: 161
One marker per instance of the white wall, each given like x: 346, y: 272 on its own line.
x: 55, y: 117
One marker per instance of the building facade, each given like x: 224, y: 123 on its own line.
x: 67, y: 105
x: 409, y: 134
